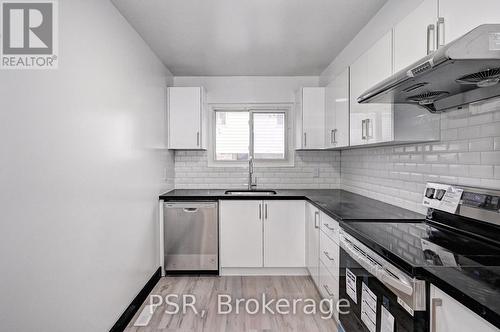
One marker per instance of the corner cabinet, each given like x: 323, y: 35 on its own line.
x: 187, y: 118
x: 449, y: 315
x: 310, y: 118
x: 385, y: 123
x: 337, y: 111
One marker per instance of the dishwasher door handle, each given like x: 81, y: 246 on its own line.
x: 190, y: 210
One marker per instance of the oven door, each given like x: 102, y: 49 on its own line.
x: 371, y: 302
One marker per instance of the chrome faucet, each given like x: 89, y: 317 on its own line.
x: 251, y: 183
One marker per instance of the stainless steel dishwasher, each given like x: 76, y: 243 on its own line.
x: 191, y: 237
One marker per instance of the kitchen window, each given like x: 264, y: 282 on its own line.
x: 239, y: 134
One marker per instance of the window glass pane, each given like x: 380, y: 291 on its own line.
x: 231, y: 135
x: 269, y: 135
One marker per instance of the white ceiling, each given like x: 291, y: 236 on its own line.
x: 247, y: 37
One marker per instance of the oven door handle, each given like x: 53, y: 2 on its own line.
x: 398, y: 284
x: 379, y: 273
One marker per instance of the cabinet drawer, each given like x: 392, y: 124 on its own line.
x: 329, y: 254
x: 330, y: 227
x: 328, y: 287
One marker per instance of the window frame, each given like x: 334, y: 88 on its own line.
x: 285, y: 109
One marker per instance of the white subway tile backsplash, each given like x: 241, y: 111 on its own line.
x: 481, y: 144
x: 490, y: 158
x: 192, y: 171
x: 468, y: 154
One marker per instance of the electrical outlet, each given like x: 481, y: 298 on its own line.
x: 316, y: 173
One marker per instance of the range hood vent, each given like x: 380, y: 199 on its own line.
x: 464, y: 71
x: 427, y: 98
x: 482, y: 79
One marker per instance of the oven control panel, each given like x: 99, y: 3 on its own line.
x: 481, y: 201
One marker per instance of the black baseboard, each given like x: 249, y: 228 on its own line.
x: 191, y: 272
x: 131, y: 310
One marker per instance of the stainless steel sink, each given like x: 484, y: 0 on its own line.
x: 250, y: 192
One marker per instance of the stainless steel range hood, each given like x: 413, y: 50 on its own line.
x: 463, y: 71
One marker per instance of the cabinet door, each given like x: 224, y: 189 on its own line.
x: 461, y: 16
x: 313, y: 118
x: 449, y: 315
x: 337, y: 111
x: 284, y: 234
x: 240, y: 233
x: 329, y: 287
x: 371, y: 123
x: 184, y: 117
x: 415, y: 34
x: 341, y: 95
x: 312, y: 226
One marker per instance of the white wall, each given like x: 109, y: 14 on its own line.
x: 249, y: 89
x: 82, y: 165
x: 386, y: 18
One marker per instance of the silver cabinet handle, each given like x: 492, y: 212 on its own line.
x: 198, y: 138
x: 260, y: 211
x: 368, y: 134
x: 305, y: 139
x: 333, y: 134
x: 265, y: 212
x: 327, y: 289
x: 431, y: 36
x: 328, y: 255
x: 434, y: 304
x: 440, y: 32
x: 363, y: 128
x: 316, y: 219
x: 328, y: 226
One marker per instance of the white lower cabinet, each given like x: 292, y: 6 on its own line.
x: 323, y: 253
x: 312, y: 245
x: 328, y: 287
x: 284, y: 234
x: 240, y: 233
x: 256, y: 233
x: 449, y: 315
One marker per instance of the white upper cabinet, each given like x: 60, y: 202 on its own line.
x: 460, y: 16
x: 310, y: 108
x: 449, y: 315
x: 186, y: 118
x: 337, y: 111
x: 371, y: 123
x: 415, y: 35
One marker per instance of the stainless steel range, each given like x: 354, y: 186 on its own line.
x: 386, y: 267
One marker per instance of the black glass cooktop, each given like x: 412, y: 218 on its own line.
x: 423, y: 244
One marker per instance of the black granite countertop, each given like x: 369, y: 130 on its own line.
x: 338, y: 204
x: 475, y: 285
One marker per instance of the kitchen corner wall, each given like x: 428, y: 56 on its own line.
x: 468, y: 154
x: 191, y: 167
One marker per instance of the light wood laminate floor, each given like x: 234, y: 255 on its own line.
x: 206, y: 290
